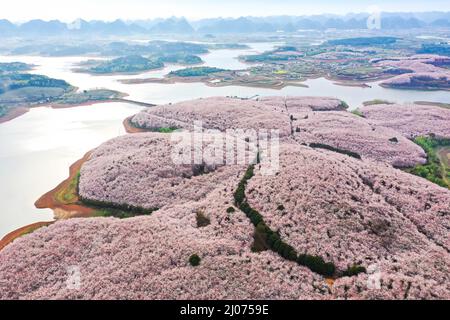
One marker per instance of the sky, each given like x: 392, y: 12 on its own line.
x: 69, y: 10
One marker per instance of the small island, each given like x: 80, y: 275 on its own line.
x: 6, y: 67
x: 129, y: 64
x: 134, y: 64
x: 21, y: 91
x: 196, y: 72
x: 347, y: 62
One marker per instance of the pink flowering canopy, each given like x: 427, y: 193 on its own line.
x: 216, y: 113
x: 411, y: 120
x: 351, y: 212
x: 348, y: 211
x: 139, y: 170
x: 347, y: 131
x: 421, y: 71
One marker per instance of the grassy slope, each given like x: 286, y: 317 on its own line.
x: 437, y: 168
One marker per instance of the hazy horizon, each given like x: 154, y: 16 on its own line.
x: 201, y: 9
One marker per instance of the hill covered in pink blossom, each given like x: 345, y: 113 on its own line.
x: 345, y: 210
x: 146, y: 258
x: 347, y: 131
x: 300, y: 103
x: 348, y: 211
x: 411, y: 120
x: 421, y: 72
x: 307, y: 119
x: 139, y: 170
x: 351, y: 212
x: 219, y: 113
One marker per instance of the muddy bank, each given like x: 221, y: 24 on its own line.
x: 10, y: 237
x: 130, y: 128
x: 69, y: 209
x: 13, y: 113
x: 277, y: 85
x: 16, y: 112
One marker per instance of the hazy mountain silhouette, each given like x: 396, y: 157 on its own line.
x: 53, y: 27
x: 172, y: 25
x: 389, y: 21
x: 6, y: 26
x: 239, y: 25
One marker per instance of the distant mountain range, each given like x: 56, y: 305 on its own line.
x: 175, y: 25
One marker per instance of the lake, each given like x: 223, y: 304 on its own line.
x: 37, y: 148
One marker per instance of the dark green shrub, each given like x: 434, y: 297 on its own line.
x: 328, y: 269
x: 354, y: 270
x: 231, y: 210
x: 260, y: 238
x: 194, y: 260
x: 393, y: 140
x: 316, y: 264
x: 202, y: 220
x: 249, y: 173
x: 265, y: 238
x: 239, y: 194
x: 301, y: 259
x: 245, y: 208
x: 272, y: 238
x: 344, y: 105
x: 331, y: 148
x: 276, y: 245
x: 287, y: 252
x: 115, y: 209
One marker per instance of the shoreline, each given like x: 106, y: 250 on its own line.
x: 65, y: 210
x: 13, y: 235
x: 16, y: 112
x: 423, y: 89
x: 433, y: 104
x: 61, y: 211
x: 130, y: 128
x: 351, y: 84
x: 49, y: 200
x: 207, y: 82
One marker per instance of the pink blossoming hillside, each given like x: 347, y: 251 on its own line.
x: 216, y: 113
x: 139, y: 170
x: 146, y: 258
x: 297, y: 103
x: 355, y: 212
x: 350, y: 211
x: 420, y: 72
x: 308, y: 119
x: 411, y: 120
x: 349, y: 132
